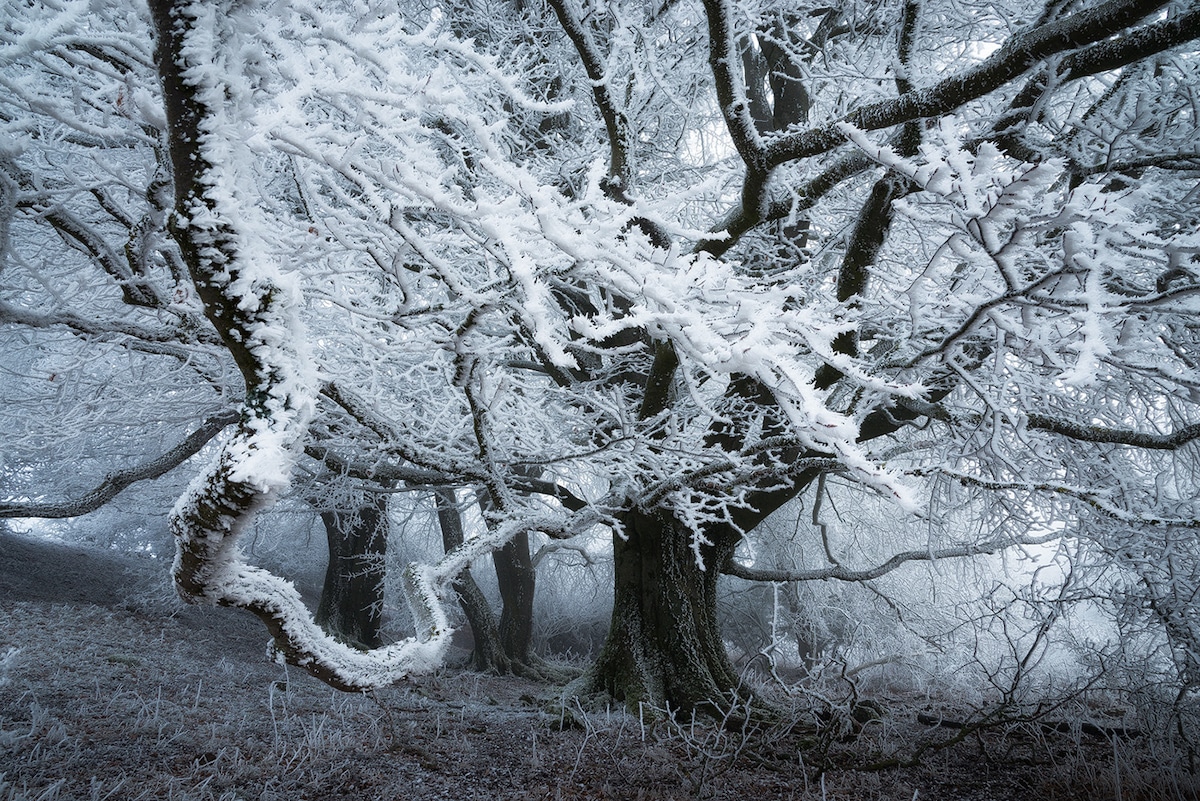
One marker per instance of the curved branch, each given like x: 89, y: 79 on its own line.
x: 615, y: 121
x: 731, y: 93
x: 136, y: 290
x: 115, y: 483
x: 257, y: 318
x: 843, y: 573
x: 735, y: 109
x: 1103, y: 56
x: 1021, y: 52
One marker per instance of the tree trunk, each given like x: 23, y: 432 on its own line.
x: 352, y: 598
x: 664, y: 647
x: 488, y: 653
x: 517, y: 580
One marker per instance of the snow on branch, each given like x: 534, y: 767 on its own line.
x: 254, y: 308
x: 1096, y: 500
x: 1022, y: 51
x: 615, y: 121
x: 116, y: 483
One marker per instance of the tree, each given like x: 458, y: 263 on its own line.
x: 577, y: 270
x: 97, y: 308
x: 351, y: 603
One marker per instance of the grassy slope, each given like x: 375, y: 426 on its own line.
x: 112, y: 689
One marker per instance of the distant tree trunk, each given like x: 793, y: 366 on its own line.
x: 664, y: 646
x: 488, y: 653
x: 352, y: 597
x: 518, y: 580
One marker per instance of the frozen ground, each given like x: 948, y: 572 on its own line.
x: 111, y: 689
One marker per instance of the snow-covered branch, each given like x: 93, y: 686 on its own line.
x: 114, y: 483
x: 254, y: 310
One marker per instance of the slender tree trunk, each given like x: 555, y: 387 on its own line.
x: 517, y: 581
x: 664, y: 647
x: 352, y: 598
x: 488, y: 653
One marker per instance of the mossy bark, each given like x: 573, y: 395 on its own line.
x: 664, y: 647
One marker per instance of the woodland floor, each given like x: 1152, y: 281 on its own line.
x: 111, y: 689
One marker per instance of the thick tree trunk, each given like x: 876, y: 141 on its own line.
x: 664, y: 647
x: 352, y: 597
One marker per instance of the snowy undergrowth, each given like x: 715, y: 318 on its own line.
x: 148, y: 699
x: 116, y: 704
x: 96, y: 708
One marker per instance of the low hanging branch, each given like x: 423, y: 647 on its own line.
x: 255, y: 313
x: 173, y: 342
x: 115, y: 483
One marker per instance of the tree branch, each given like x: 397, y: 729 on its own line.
x: 109, y: 328
x: 1093, y: 499
x: 115, y: 483
x: 843, y: 573
x: 735, y: 109
x: 615, y: 122
x: 257, y: 318
x: 1018, y: 54
x: 1095, y: 433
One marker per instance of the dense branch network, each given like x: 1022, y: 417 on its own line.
x: 862, y: 277
x: 116, y: 482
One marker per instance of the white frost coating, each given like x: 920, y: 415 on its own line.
x: 259, y: 457
x: 66, y: 20
x: 1101, y: 228
x: 352, y: 105
x: 249, y: 586
x: 1002, y: 205
x: 1081, y: 249
x: 723, y: 323
x: 263, y: 452
x: 8, y: 661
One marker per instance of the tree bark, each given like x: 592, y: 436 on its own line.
x: 256, y: 312
x: 352, y: 597
x: 664, y: 647
x: 488, y: 653
x: 517, y: 580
